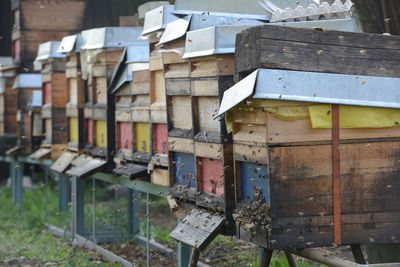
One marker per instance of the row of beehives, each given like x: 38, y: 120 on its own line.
x: 146, y: 108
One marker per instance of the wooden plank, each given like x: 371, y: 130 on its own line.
x: 160, y: 134
x: 132, y: 171
x: 160, y: 177
x: 89, y: 131
x: 47, y: 93
x: 207, y: 109
x: 101, y: 133
x: 251, y: 153
x: 100, y: 90
x: 40, y: 154
x: 211, y: 66
x: 156, y: 63
x: 205, y: 87
x: 140, y: 114
x: 59, y: 93
x: 198, y: 229
x: 184, y: 169
x: 87, y: 168
x: 157, y: 89
x: 177, y: 70
x: 141, y: 82
x: 337, y: 232
x: 180, y: 113
x: 253, y: 177
x: 123, y: 115
x: 210, y: 174
x: 142, y: 131
x: 158, y: 116
x: 63, y: 162
x: 73, y: 129
x: 209, y: 150
x: 125, y: 135
x: 183, y: 145
x: 178, y: 86
x: 99, y: 113
x: 141, y: 101
x: 335, y: 52
x: 368, y: 173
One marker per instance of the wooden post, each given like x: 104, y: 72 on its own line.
x: 265, y: 257
x: 291, y: 259
x: 358, y: 254
x: 336, y: 175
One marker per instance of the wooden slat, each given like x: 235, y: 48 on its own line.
x: 337, y: 235
x: 210, y: 174
x: 211, y: 66
x: 251, y: 153
x: 160, y: 133
x: 209, y: 150
x: 183, y: 145
x: 160, y: 177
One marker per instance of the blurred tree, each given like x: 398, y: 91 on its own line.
x: 379, y: 16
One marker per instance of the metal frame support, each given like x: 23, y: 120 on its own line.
x: 133, y: 209
x: 63, y: 189
x: 148, y: 229
x: 183, y: 253
x: 265, y: 257
x: 77, y: 196
x: 17, y: 176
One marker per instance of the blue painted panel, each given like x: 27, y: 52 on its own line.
x: 184, y: 169
x: 259, y: 173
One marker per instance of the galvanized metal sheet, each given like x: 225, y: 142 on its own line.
x: 315, y: 87
x: 5, y: 63
x: 345, y: 25
x: 48, y: 50
x: 36, y: 100
x: 40, y: 154
x: 198, y: 229
x: 81, y: 160
x: 138, y: 53
x: 63, y: 162
x: 248, y: 9
x: 158, y: 18
x: 86, y: 168
x: 213, y: 40
x: 131, y: 171
x: 70, y: 43
x: 111, y: 37
x: 175, y: 29
x: 146, y: 7
x: 28, y: 80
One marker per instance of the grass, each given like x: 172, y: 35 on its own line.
x: 23, y: 239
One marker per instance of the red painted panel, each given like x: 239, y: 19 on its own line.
x: 16, y: 49
x: 125, y: 135
x: 89, y: 127
x: 161, y: 133
x: 211, y: 176
x: 47, y: 93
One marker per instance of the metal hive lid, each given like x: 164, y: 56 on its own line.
x: 158, y: 18
x: 48, y: 50
x: 111, y: 37
x: 28, y: 80
x: 320, y: 88
x: 121, y: 73
x: 148, y: 6
x: 70, y: 43
x: 213, y: 40
x: 36, y: 100
x: 180, y: 27
x: 5, y: 63
x: 221, y: 39
x: 235, y: 8
x: 138, y: 53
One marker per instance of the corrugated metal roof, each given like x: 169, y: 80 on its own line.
x: 70, y: 43
x: 238, y: 8
x: 111, y: 37
x: 178, y: 28
x: 314, y: 87
x: 48, y: 50
x: 28, y: 80
x: 158, y: 18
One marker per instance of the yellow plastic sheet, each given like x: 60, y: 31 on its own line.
x: 101, y: 133
x: 73, y: 129
x: 354, y: 117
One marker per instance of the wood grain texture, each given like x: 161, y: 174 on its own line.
x: 317, y: 50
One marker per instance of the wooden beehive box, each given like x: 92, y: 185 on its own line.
x: 294, y: 188
x: 8, y: 96
x: 130, y: 87
x: 29, y: 137
x: 54, y: 98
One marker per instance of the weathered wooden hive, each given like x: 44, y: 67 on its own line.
x: 75, y: 91
x: 52, y: 66
x: 8, y: 105
x: 154, y: 141
x: 315, y: 137
x: 100, y: 51
x: 130, y: 87
x: 37, y: 21
x: 29, y: 137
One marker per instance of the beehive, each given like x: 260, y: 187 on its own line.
x: 100, y: 51
x: 130, y: 87
x: 154, y: 24
x: 52, y: 66
x: 300, y: 183
x: 29, y: 129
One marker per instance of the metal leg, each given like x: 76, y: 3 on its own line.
x: 183, y: 253
x: 94, y: 210
x: 62, y: 193
x: 291, y: 259
x: 77, y: 206
x: 358, y: 254
x: 194, y: 257
x: 265, y: 257
x: 148, y: 229
x: 133, y: 209
x: 17, y: 176
x: 46, y: 193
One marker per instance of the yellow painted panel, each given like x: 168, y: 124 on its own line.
x: 101, y: 133
x: 143, y: 137
x: 73, y: 129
